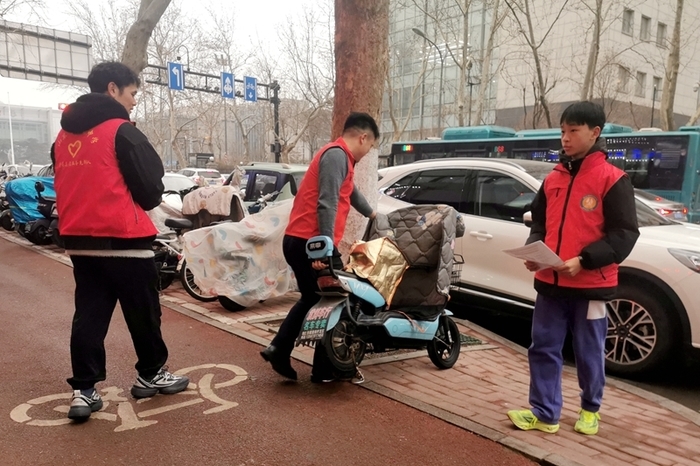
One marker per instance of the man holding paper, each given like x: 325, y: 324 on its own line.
x: 584, y: 212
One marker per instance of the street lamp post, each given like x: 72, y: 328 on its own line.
x: 12, y: 142
x: 653, y: 102
x: 188, y: 55
x: 225, y: 63
x: 442, y: 69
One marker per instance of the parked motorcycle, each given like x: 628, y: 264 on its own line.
x: 45, y: 230
x: 353, y: 317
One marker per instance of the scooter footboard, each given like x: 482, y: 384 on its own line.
x: 321, y: 318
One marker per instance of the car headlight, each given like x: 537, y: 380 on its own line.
x: 690, y: 259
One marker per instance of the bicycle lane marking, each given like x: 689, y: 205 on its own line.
x: 125, y: 409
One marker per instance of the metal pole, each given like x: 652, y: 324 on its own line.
x: 422, y: 85
x: 12, y: 142
x: 442, y: 70
x: 469, y: 82
x: 653, y: 101
x: 225, y: 132
x: 276, y: 114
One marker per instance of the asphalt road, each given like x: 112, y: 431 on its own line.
x: 238, y: 412
x: 679, y: 382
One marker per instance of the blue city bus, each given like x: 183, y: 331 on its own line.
x: 665, y: 163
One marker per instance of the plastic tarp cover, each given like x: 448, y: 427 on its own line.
x: 21, y: 195
x: 242, y: 260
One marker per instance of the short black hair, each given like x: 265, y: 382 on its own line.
x: 361, y: 121
x: 111, y: 72
x: 584, y: 113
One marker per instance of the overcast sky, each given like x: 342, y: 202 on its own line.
x: 255, y: 20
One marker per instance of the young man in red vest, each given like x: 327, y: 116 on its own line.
x: 585, y: 212
x: 107, y: 176
x: 321, y: 207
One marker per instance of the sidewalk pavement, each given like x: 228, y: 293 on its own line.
x: 637, y: 427
x: 491, y: 377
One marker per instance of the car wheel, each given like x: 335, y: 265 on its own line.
x: 641, y: 334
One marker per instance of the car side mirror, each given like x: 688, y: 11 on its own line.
x: 39, y: 186
x: 527, y: 219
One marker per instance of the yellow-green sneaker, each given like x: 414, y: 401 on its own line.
x: 525, y: 420
x: 587, y: 423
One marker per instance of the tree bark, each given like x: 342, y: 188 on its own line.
x: 484, y: 80
x: 361, y: 58
x: 668, y: 94
x: 150, y: 12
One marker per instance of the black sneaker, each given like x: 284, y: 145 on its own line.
x: 164, y: 382
x: 83, y: 403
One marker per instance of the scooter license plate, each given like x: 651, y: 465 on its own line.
x: 316, y: 321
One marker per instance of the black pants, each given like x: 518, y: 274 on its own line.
x: 295, y: 254
x: 99, y: 283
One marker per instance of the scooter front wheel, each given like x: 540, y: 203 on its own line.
x: 344, y: 350
x: 443, y: 350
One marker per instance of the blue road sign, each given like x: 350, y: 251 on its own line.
x: 251, y: 89
x: 227, y: 82
x: 176, y: 77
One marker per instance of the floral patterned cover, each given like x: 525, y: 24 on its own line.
x: 243, y: 260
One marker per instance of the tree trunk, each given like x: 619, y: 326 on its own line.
x: 587, y: 89
x: 361, y: 58
x: 668, y: 94
x: 150, y: 12
x: 541, y: 87
x: 466, y: 66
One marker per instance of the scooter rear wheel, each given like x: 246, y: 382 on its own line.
x: 443, y: 350
x: 344, y: 350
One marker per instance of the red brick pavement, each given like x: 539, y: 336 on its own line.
x: 637, y: 427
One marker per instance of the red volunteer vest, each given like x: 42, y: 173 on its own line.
x: 577, y: 222
x: 303, y: 221
x: 91, y: 195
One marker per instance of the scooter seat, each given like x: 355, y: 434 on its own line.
x: 178, y: 223
x: 379, y: 318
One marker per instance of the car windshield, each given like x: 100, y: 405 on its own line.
x: 648, y: 217
x: 537, y: 170
x: 648, y: 196
x: 177, y: 183
x: 298, y: 177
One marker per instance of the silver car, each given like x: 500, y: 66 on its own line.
x: 666, y: 207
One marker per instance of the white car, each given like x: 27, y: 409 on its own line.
x: 657, y: 310
x: 174, y: 183
x: 203, y: 176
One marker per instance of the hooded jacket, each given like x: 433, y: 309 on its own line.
x: 585, y: 208
x: 107, y: 176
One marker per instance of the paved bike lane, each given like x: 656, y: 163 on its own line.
x: 236, y: 412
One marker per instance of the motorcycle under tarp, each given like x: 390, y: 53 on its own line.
x: 22, y: 196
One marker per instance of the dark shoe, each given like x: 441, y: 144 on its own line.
x: 83, y: 403
x: 164, y: 382
x: 280, y: 363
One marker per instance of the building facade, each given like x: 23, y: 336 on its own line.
x: 33, y: 131
x: 500, y: 84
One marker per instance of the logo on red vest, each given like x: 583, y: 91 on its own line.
x: 589, y: 202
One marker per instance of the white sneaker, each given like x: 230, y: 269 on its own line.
x: 83, y: 403
x: 164, y: 382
